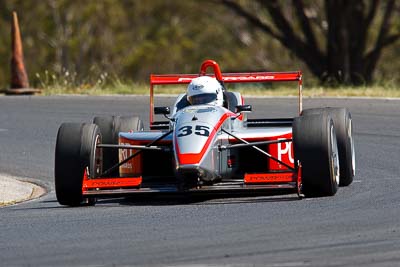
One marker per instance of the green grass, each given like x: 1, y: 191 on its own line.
x: 129, y: 88
x: 103, y: 84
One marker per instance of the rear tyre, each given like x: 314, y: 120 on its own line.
x: 75, y: 151
x: 344, y: 134
x: 315, y: 146
x: 110, y: 127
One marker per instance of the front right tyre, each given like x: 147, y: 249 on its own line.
x: 75, y: 151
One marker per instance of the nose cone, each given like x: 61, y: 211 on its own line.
x: 192, y: 140
x: 195, y: 140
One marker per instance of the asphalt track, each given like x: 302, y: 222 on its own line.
x: 360, y: 226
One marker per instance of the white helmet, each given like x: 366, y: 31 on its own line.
x: 205, y: 90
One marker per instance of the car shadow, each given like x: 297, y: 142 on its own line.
x: 176, y: 199
x: 209, y: 199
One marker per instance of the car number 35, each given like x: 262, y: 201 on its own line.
x: 201, y: 130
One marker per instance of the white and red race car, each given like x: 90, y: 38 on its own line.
x: 204, y: 148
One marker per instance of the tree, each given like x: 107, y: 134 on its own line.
x: 339, y: 41
x: 79, y: 42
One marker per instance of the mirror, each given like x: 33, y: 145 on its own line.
x: 162, y: 110
x: 243, y: 108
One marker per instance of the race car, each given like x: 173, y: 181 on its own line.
x: 206, y: 147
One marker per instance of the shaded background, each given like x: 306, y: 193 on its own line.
x: 97, y: 42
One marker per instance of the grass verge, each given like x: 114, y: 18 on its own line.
x: 129, y: 88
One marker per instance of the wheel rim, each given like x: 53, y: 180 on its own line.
x: 97, y: 158
x: 334, y: 157
x: 353, y: 156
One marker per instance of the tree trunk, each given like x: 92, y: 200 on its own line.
x: 345, y: 59
x: 337, y: 68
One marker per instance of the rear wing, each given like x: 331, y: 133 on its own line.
x: 249, y: 77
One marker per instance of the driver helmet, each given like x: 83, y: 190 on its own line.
x: 205, y: 90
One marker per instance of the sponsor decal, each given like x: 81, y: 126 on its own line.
x: 281, y: 151
x: 197, y: 87
x: 199, y: 110
x: 250, y: 78
x: 189, y: 110
x: 205, y: 110
x: 269, y: 177
x: 285, y: 149
x: 108, y: 183
x: 124, y: 154
x: 185, y: 79
x: 237, y: 78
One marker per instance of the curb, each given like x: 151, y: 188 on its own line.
x: 13, y: 190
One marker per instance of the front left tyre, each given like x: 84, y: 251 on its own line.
x: 315, y: 147
x: 75, y: 151
x: 344, y: 132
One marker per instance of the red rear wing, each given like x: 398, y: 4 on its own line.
x: 249, y: 77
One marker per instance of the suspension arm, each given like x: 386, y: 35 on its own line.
x: 260, y: 150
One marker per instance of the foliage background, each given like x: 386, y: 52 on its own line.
x: 84, y: 43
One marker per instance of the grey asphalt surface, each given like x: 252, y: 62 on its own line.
x: 360, y: 226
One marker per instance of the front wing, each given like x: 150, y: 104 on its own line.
x: 221, y: 188
x: 113, y: 187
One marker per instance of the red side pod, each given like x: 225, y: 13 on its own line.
x: 134, y: 166
x: 283, y: 152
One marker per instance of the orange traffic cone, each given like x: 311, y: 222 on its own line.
x: 19, y: 78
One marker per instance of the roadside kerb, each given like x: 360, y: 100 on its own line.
x: 14, y: 190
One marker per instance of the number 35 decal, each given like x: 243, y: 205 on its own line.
x: 199, y: 130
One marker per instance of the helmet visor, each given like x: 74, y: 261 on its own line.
x: 202, y: 99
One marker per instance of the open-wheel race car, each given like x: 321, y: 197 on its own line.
x: 206, y: 144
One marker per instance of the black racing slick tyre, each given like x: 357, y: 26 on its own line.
x: 110, y: 127
x: 75, y: 151
x: 315, y: 147
x: 344, y: 134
